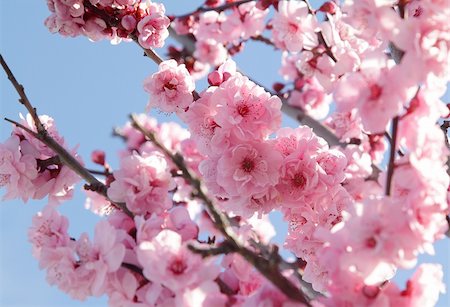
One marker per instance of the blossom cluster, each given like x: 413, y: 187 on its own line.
x: 30, y: 170
x: 110, y: 19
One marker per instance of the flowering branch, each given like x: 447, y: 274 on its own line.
x: 266, y: 267
x: 320, y: 36
x: 203, y: 9
x: 390, y: 171
x: 65, y: 157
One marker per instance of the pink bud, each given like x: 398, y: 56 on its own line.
x: 215, y: 78
x: 128, y: 22
x: 328, y: 7
x: 98, y: 157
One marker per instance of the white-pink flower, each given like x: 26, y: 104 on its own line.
x: 294, y: 27
x: 170, y: 88
x: 143, y: 183
x: 17, y: 171
x: 153, y: 27
x: 167, y: 260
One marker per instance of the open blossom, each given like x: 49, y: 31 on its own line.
x: 17, y: 171
x: 143, y: 183
x: 153, y: 27
x: 210, y: 51
x: 170, y: 88
x: 312, y: 99
x: 168, y: 261
x: 103, y: 256
x: 244, y: 22
x: 377, y: 91
x: 247, y: 169
x: 246, y: 109
x: 294, y: 27
x: 48, y: 230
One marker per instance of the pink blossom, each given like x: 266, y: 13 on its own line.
x: 209, y: 26
x: 153, y: 27
x: 143, y: 183
x: 170, y: 88
x: 180, y: 221
x: 293, y: 26
x: 17, y: 171
x: 122, y: 288
x: 247, y: 169
x: 204, y: 295
x: 210, y: 51
x: 96, y: 260
x: 48, y: 230
x: 375, y: 91
x: 98, y: 204
x: 244, y: 22
x: 148, y: 228
x: 312, y: 99
x: 246, y: 108
x: 167, y: 260
x: 424, y: 287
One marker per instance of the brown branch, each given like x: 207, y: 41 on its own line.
x: 64, y: 156
x: 320, y: 36
x: 23, y: 97
x: 203, y: 9
x: 294, y: 113
x: 390, y: 171
x: 263, y: 39
x: 133, y: 268
x: 265, y: 266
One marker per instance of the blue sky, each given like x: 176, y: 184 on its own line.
x: 88, y: 88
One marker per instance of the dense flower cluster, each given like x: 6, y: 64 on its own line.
x: 373, y: 71
x: 110, y: 19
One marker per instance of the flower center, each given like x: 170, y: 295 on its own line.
x: 4, y: 179
x: 292, y: 28
x: 371, y: 242
x: 298, y: 180
x: 243, y: 110
x: 170, y: 86
x: 375, y: 92
x: 178, y: 266
x: 247, y: 165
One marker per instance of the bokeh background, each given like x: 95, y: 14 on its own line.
x: 89, y: 88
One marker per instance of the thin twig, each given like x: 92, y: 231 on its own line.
x: 320, y: 35
x: 65, y: 157
x: 23, y: 97
x: 390, y: 171
x: 265, y: 266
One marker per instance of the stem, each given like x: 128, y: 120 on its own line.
x: 320, y: 36
x: 390, y: 171
x: 266, y: 267
x: 23, y: 97
x: 64, y: 156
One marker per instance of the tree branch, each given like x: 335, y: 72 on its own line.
x: 265, y: 266
x: 390, y: 171
x: 64, y: 156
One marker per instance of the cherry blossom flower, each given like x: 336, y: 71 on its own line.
x: 153, y: 27
x: 294, y: 27
x: 170, y: 88
x: 143, y: 183
x: 167, y: 260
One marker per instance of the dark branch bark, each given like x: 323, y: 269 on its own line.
x: 64, y: 156
x: 266, y: 267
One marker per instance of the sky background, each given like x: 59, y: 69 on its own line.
x: 89, y: 88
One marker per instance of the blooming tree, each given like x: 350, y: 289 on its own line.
x: 362, y: 180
